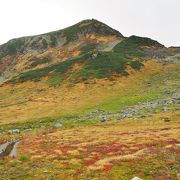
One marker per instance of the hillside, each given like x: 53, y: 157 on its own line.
x: 76, y: 53
x: 86, y: 102
x: 27, y: 53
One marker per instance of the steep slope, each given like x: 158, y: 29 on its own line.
x: 84, y: 51
x: 27, y: 53
x: 87, y: 103
x: 94, y: 65
x: 57, y: 38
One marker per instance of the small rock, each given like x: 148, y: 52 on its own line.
x: 102, y: 119
x: 149, y: 83
x: 167, y: 92
x: 30, y: 129
x: 166, y: 119
x: 136, y: 178
x: 165, y: 109
x: 34, y: 165
x: 176, y: 96
x: 42, y: 126
x: 58, y: 125
x: 94, y: 56
x: 14, y: 131
x: 144, y: 116
x: 45, y: 171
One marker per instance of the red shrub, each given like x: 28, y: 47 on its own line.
x: 107, y: 167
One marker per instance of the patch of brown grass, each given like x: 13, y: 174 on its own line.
x: 33, y: 100
x: 105, y: 144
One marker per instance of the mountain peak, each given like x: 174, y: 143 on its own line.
x: 90, y: 26
x: 88, y: 49
x: 58, y: 38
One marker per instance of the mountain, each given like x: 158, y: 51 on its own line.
x: 89, y: 49
x: 40, y: 73
x: 86, y: 102
x: 22, y: 54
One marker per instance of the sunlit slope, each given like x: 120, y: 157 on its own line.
x: 34, y: 100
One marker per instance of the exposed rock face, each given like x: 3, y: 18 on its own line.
x: 9, y: 149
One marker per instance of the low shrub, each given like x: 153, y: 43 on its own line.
x: 40, y: 61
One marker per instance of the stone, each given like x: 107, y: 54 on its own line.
x: 13, y: 153
x: 42, y: 126
x: 58, y: 125
x: 165, y: 109
x: 166, y: 119
x: 167, y: 92
x: 45, y: 171
x: 102, y: 119
x: 14, y: 131
x: 145, y: 116
x: 34, y: 165
x: 149, y: 83
x: 129, y: 115
x: 176, y: 96
x: 136, y: 178
x: 29, y: 129
x: 94, y: 56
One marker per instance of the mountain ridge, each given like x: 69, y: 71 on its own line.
x: 95, y: 26
x: 35, y: 54
x: 89, y: 106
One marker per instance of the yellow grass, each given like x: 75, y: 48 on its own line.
x: 33, y: 100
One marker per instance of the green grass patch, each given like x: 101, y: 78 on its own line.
x: 129, y: 99
x: 133, y: 46
x: 136, y: 65
x: 40, y: 61
x: 103, y: 66
x: 55, y: 80
x: 89, y: 47
x: 24, y: 158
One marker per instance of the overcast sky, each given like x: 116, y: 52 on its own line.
x: 157, y: 19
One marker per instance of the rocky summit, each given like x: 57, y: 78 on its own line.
x: 86, y: 102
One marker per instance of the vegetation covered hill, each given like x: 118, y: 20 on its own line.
x: 89, y: 49
x: 86, y: 102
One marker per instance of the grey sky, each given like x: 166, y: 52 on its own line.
x: 157, y: 19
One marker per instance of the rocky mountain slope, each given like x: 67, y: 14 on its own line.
x: 87, y: 50
x: 86, y: 102
x: 27, y: 53
x: 40, y: 73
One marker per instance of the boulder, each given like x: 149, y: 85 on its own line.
x: 102, y: 119
x: 176, y: 96
x: 58, y: 125
x: 136, y: 178
x: 165, y: 109
x: 166, y: 119
x: 14, y: 131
